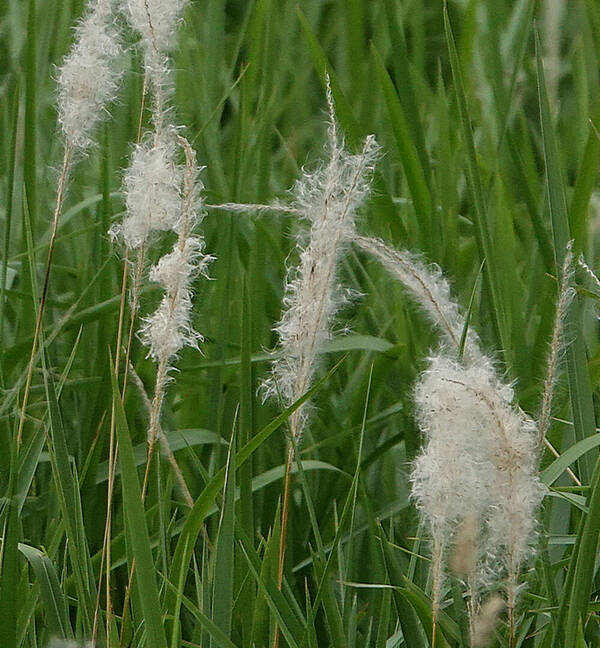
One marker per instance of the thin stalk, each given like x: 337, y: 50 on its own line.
x: 285, y: 513
x: 112, y: 454
x: 511, y: 604
x: 60, y: 194
x: 113, y: 447
x: 438, y: 550
x: 166, y: 448
x: 471, y: 608
x: 162, y: 378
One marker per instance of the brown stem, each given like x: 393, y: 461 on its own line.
x: 60, y: 195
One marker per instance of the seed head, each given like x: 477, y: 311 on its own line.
x: 156, y: 21
x: 88, y: 78
x: 486, y: 621
x: 152, y: 188
x: 328, y: 199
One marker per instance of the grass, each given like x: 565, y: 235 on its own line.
x: 490, y: 136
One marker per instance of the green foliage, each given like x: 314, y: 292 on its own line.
x: 491, y: 145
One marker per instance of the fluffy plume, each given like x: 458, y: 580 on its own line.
x: 480, y: 453
x: 464, y: 556
x: 88, y: 78
x: 430, y: 289
x: 169, y: 328
x: 328, y: 199
x: 565, y: 296
x: 486, y: 621
x: 156, y: 21
x: 451, y: 476
x: 479, y: 459
x: 468, y: 419
x: 152, y: 186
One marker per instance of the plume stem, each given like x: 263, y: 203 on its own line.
x: 60, y: 195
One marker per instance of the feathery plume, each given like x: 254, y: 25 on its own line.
x: 430, y: 289
x: 479, y: 458
x: 88, y: 79
x: 486, y: 621
x: 480, y: 452
x: 152, y: 190
x: 156, y: 21
x: 328, y: 199
x: 170, y: 328
x: 565, y: 296
x: 450, y: 476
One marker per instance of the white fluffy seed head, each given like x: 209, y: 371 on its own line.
x: 89, y: 78
x: 156, y: 21
x: 152, y: 187
x: 486, y: 621
x: 450, y: 476
x: 479, y: 459
x: 170, y: 328
x: 328, y: 199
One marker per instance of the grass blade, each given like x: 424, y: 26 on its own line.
x: 135, y: 524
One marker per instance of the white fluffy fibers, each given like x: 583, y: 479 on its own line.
x: 451, y: 476
x: 88, y: 78
x: 431, y: 290
x: 152, y: 188
x: 169, y: 328
x: 156, y: 21
x: 479, y: 459
x: 328, y: 199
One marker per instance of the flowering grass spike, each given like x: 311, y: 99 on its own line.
x: 88, y: 79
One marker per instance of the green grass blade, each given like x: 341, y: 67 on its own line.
x: 224, y: 554
x: 135, y: 523
x: 70, y: 504
x: 479, y: 209
x: 291, y: 627
x: 415, y: 174
x: 582, y: 406
x: 586, y: 180
x: 53, y: 598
